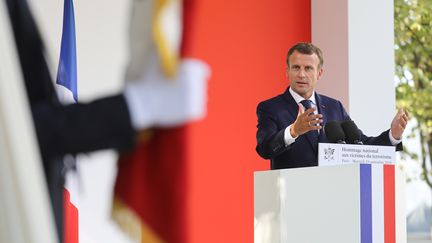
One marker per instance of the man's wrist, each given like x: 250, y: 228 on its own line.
x: 287, y: 136
x: 394, y: 140
x: 292, y: 131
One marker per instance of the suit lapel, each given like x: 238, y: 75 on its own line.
x: 322, y: 109
x: 291, y: 103
x: 312, y: 136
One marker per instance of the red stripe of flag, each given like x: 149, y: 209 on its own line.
x: 151, y: 180
x: 70, y: 219
x: 389, y: 204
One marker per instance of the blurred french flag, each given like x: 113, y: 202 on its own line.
x: 67, y: 68
x: 67, y: 90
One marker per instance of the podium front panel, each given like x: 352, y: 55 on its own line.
x: 347, y: 203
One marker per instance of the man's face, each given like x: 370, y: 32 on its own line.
x: 304, y: 73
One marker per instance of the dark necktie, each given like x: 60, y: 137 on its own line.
x: 306, y: 103
x: 312, y: 135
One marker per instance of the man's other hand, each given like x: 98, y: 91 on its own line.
x: 399, y: 123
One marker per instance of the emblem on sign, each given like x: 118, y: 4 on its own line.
x: 329, y: 154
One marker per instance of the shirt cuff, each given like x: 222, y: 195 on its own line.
x: 287, y: 136
x: 393, y: 140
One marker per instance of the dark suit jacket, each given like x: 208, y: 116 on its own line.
x: 275, y: 114
x: 61, y: 130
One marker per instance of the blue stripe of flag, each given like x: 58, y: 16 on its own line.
x: 67, y: 69
x: 366, y: 203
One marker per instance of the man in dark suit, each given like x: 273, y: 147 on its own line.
x: 290, y: 124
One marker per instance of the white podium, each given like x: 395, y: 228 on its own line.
x: 348, y: 203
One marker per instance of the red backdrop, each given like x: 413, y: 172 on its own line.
x: 245, y: 43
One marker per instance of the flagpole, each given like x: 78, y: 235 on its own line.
x: 67, y: 90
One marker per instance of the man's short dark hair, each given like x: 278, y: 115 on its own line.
x: 308, y: 49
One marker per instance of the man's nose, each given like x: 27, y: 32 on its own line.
x: 301, y: 72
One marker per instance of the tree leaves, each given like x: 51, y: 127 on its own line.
x: 413, y: 48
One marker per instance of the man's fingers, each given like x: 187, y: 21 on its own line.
x: 309, y: 114
x: 315, y: 128
x: 301, y: 110
x: 307, y: 120
x: 402, y: 113
x: 403, y: 123
x: 315, y: 116
x: 309, y: 111
x: 405, y: 117
x: 315, y: 122
x: 312, y: 124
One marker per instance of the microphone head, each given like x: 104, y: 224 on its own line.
x: 352, y: 132
x: 334, y: 132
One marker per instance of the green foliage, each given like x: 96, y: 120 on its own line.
x: 413, y: 45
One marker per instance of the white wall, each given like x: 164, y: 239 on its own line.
x: 330, y: 34
x: 371, y: 59
x: 357, y: 40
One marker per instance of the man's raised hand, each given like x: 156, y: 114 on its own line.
x: 306, y: 121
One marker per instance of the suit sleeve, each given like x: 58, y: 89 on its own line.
x: 76, y: 128
x: 382, y: 139
x: 270, y: 138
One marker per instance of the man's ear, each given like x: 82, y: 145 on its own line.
x: 320, y: 73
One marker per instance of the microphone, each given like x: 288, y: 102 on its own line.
x: 334, y: 132
x: 352, y: 132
